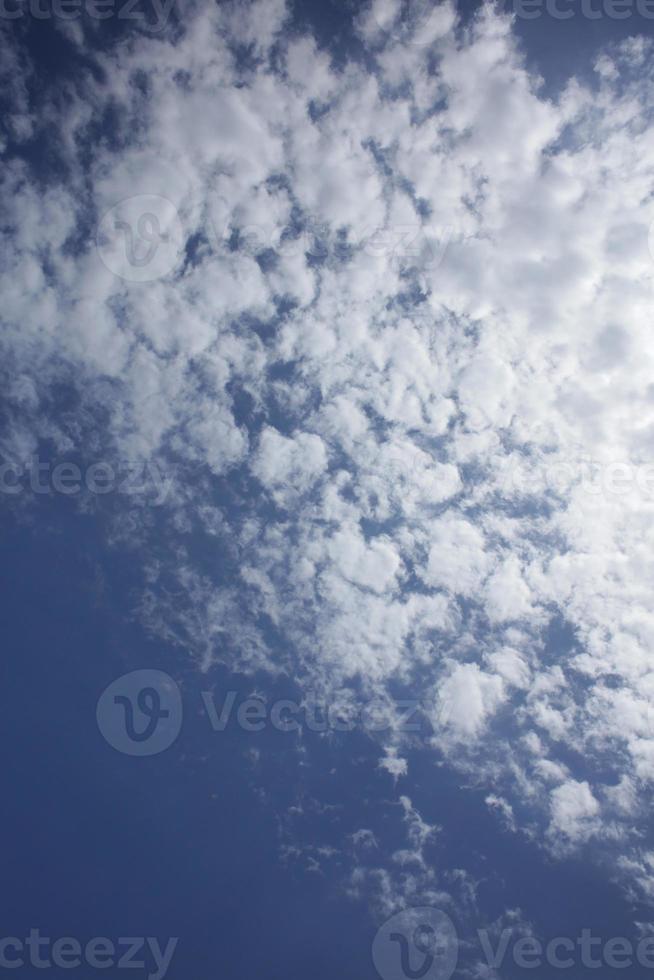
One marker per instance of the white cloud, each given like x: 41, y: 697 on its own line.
x: 467, y: 699
x: 574, y: 811
x: 507, y: 595
x: 285, y: 464
x: 457, y: 558
x: 417, y: 414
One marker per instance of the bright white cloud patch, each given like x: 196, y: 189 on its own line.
x: 401, y: 369
x: 574, y: 811
x: 467, y: 698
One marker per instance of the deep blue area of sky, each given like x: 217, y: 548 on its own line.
x: 187, y: 843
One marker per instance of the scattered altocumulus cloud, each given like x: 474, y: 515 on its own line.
x: 414, y: 295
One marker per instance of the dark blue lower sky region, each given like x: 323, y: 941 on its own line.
x: 193, y: 842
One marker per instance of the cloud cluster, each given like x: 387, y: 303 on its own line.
x: 401, y: 275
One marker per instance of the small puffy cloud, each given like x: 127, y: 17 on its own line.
x: 371, y: 566
x: 457, y: 558
x: 574, y: 811
x: 467, y: 699
x: 484, y: 388
x: 503, y: 809
x: 393, y: 763
x: 289, y: 464
x: 507, y: 594
x: 511, y: 666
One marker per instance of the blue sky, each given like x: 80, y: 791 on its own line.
x: 326, y: 373
x: 189, y: 843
